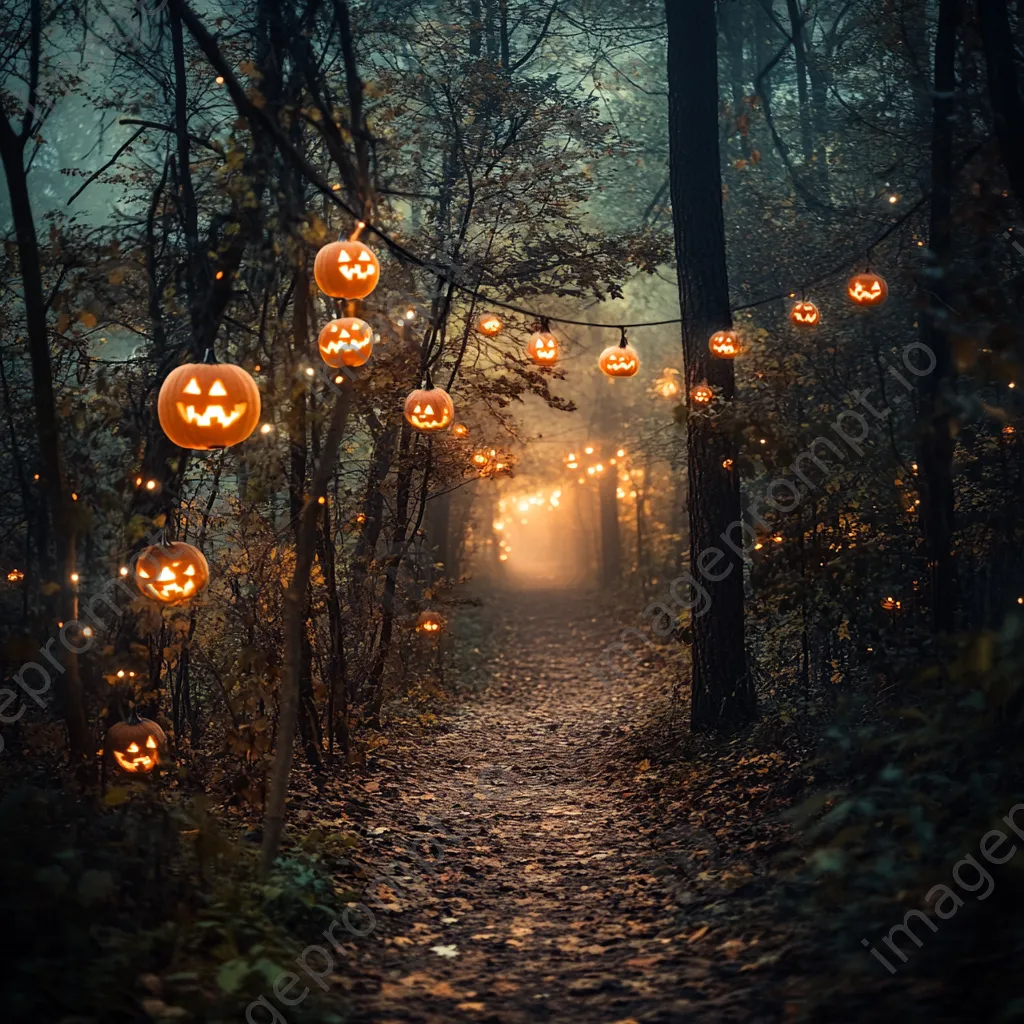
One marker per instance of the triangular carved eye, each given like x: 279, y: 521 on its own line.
x: 193, y: 388
x: 151, y: 743
x: 143, y: 573
x: 343, y: 257
x: 190, y: 571
x: 133, y: 748
x: 345, y: 334
x: 429, y: 411
x: 364, y: 257
x: 218, y: 390
x: 166, y: 575
x: 418, y: 409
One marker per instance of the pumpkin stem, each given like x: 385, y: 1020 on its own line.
x: 208, y: 356
x: 622, y: 340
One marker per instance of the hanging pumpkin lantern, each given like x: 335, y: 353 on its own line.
x: 804, y: 314
x: 489, y: 325
x: 890, y: 604
x: 347, y: 341
x: 429, y: 622
x: 346, y: 270
x: 725, y: 344
x: 701, y: 394
x: 171, y: 573
x: 135, y: 746
x: 867, y: 289
x: 542, y: 348
x: 208, y: 405
x: 619, y: 360
x: 429, y: 410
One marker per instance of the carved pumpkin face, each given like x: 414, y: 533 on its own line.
x: 136, y: 746
x: 542, y: 348
x: 805, y: 314
x: 429, y: 622
x: 171, y: 573
x: 346, y: 270
x: 489, y: 325
x: 346, y: 342
x: 619, y: 360
x: 208, y: 405
x: 701, y: 394
x: 867, y: 289
x: 429, y: 411
x: 725, y: 344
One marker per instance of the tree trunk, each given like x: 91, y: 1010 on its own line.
x: 294, y: 617
x: 935, y: 449
x: 12, y: 153
x: 722, y: 694
x: 611, y: 547
x: 1004, y: 95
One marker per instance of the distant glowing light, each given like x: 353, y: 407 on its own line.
x: 266, y: 428
x: 589, y: 449
x: 621, y: 452
x: 74, y: 577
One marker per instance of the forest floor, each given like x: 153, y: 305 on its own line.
x: 542, y: 868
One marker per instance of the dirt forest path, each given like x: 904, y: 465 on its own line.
x: 547, y: 898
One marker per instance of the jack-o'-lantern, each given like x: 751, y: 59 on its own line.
x: 725, y: 344
x: 429, y: 622
x: 460, y: 430
x: 619, y: 360
x: 701, y: 394
x: 804, y: 314
x: 346, y: 270
x: 489, y: 325
x: 208, y: 405
x: 867, y: 289
x: 429, y: 410
x: 542, y: 348
x: 890, y: 604
x: 135, y: 746
x: 171, y: 573
x: 347, y: 341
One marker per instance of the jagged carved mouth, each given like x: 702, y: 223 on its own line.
x: 213, y: 415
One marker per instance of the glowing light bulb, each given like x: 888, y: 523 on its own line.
x: 589, y: 449
x: 591, y: 471
x: 266, y: 428
x: 150, y: 485
x: 123, y: 570
x: 219, y: 79
x: 621, y: 452
x: 309, y: 371
x: 74, y: 577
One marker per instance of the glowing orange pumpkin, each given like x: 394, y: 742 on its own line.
x: 171, y: 573
x: 804, y: 313
x: 619, y: 360
x: 208, y: 405
x: 701, y: 394
x: 489, y: 325
x: 429, y: 622
x: 135, y: 746
x: 347, y: 341
x: 346, y: 270
x: 429, y: 410
x: 460, y: 430
x: 725, y: 344
x: 867, y: 289
x: 542, y: 348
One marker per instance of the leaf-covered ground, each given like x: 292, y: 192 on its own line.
x: 525, y: 866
